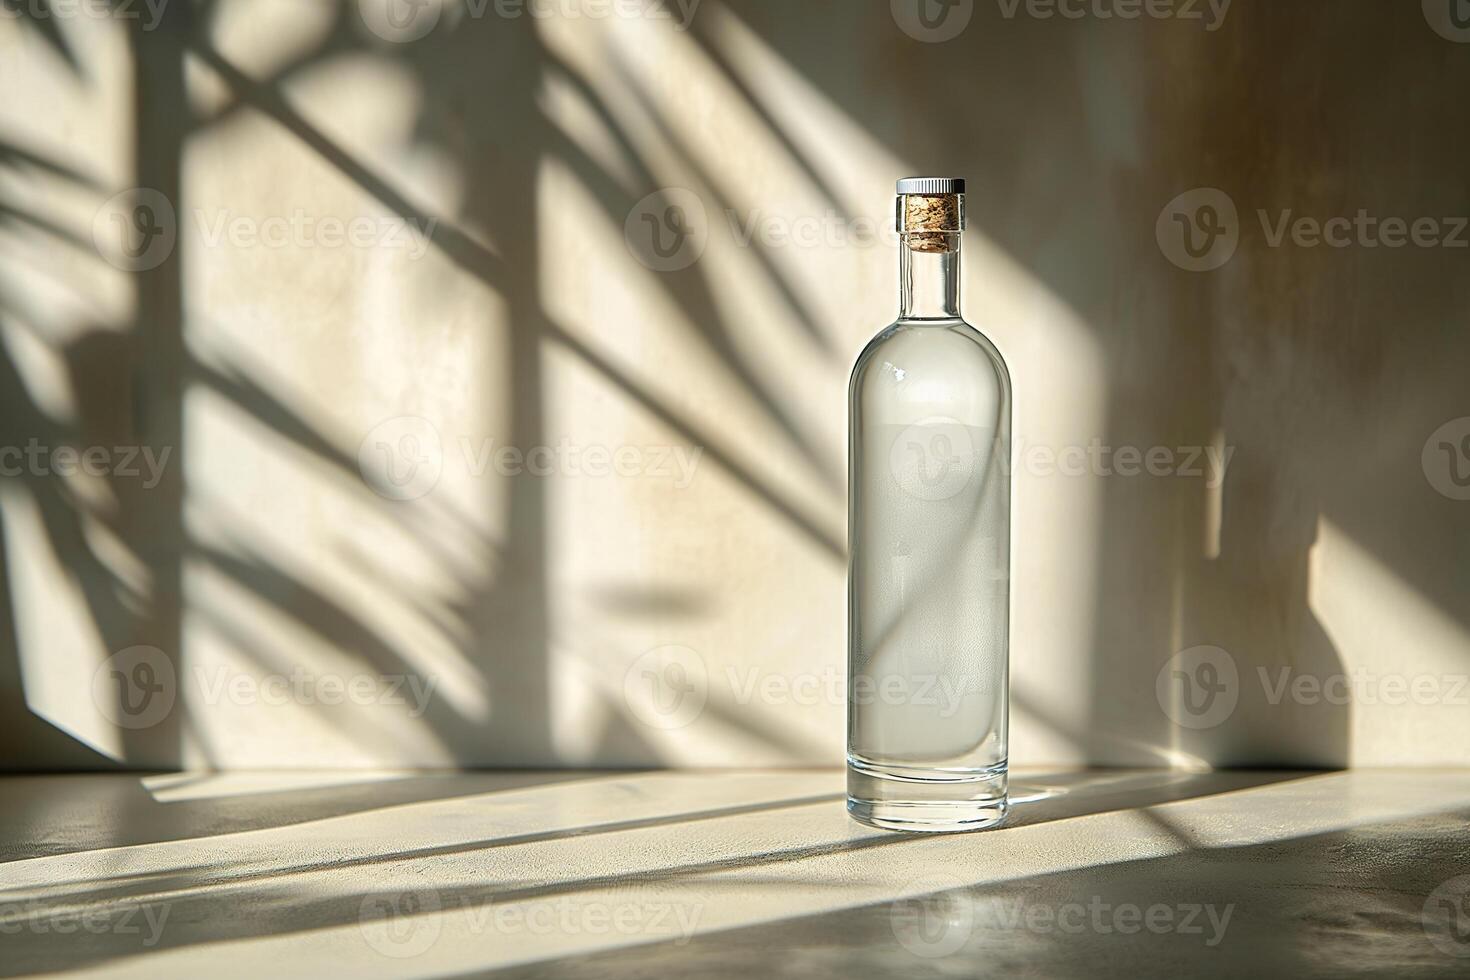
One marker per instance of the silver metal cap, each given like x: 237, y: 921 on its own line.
x: 931, y: 185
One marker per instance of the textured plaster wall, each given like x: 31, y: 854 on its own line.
x: 465, y: 467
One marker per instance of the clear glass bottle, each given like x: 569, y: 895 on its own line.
x: 929, y: 544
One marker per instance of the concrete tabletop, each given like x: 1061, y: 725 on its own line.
x: 733, y: 873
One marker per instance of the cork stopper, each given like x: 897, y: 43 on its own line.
x: 928, y: 222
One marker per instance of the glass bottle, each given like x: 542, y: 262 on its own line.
x: 929, y: 545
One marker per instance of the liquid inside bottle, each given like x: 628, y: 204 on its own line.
x: 929, y: 545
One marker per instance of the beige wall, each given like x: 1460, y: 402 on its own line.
x: 489, y: 286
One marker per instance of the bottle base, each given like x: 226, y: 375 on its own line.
x: 942, y: 801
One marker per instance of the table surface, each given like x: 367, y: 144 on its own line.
x: 734, y: 873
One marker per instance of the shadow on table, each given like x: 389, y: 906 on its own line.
x: 1037, y: 799
x: 64, y: 814
x: 258, y: 893
x: 1380, y: 899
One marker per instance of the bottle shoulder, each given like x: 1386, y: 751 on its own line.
x: 923, y: 346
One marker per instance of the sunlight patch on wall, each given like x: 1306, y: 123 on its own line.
x: 264, y: 36
x: 59, y: 651
x: 1406, y: 661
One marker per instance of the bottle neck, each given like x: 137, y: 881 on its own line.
x: 929, y: 281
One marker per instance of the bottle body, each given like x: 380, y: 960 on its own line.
x: 929, y: 508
